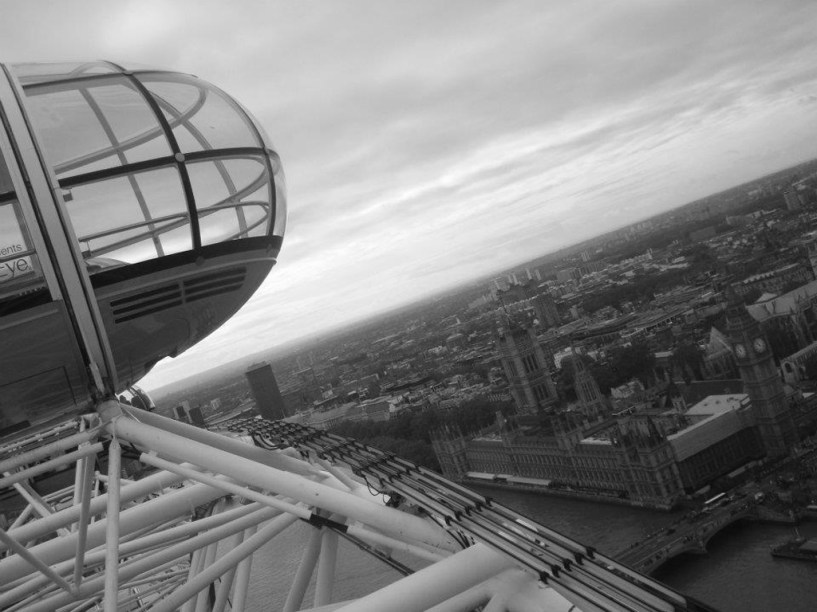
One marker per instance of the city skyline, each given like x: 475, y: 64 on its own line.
x: 426, y: 144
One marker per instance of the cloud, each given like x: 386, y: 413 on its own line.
x: 426, y: 143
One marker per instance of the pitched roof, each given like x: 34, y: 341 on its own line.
x: 783, y: 304
x: 697, y: 390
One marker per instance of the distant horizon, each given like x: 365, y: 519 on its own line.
x: 292, y: 345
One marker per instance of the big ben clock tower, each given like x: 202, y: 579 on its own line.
x: 760, y: 380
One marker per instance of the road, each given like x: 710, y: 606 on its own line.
x: 689, y: 534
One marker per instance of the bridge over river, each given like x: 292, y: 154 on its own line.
x: 690, y: 534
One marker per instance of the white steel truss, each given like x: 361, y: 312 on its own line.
x: 184, y: 536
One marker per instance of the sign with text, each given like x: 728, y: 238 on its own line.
x: 13, y: 267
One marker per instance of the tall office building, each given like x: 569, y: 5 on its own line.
x: 264, y: 387
x: 546, y: 311
x: 181, y: 412
x: 196, y: 417
x: 793, y: 201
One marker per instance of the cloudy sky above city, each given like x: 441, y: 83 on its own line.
x: 427, y: 143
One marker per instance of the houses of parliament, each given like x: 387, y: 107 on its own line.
x: 647, y: 447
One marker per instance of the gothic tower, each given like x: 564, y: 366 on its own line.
x: 527, y: 369
x: 450, y: 447
x: 587, y: 390
x: 812, y: 257
x: 760, y: 380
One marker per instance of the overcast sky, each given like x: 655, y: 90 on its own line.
x: 428, y: 142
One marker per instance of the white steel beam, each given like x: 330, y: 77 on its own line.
x: 347, y: 480
x: 179, y: 573
x: 497, y: 603
x: 297, y: 589
x: 40, y: 506
x: 202, y: 600
x: 176, y: 504
x: 144, y: 544
x: 467, y: 600
x: 79, y: 468
x: 112, y: 528
x: 141, y: 597
x: 436, y: 583
x: 104, y: 479
x: 378, y: 539
x: 20, y: 520
x: 12, y: 448
x: 326, y: 568
x: 150, y: 563
x: 196, y: 563
x: 527, y: 594
x: 21, y: 589
x: 84, y: 516
x: 34, y: 561
x: 389, y: 520
x: 278, y: 460
x: 329, y: 607
x: 242, y: 577
x: 522, y: 592
x: 230, y: 560
x: 45, y: 466
x: 512, y: 591
x: 187, y: 529
x: 228, y: 487
x: 223, y: 591
x: 62, y: 518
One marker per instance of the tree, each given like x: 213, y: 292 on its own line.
x: 702, y: 258
x: 689, y: 358
x: 422, y: 424
x: 604, y: 377
x: 408, y: 434
x: 634, y: 361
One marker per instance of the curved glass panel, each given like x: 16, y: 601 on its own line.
x: 139, y: 154
x: 127, y: 219
x: 232, y: 198
x: 203, y: 118
x: 280, y: 221
x: 6, y: 186
x: 60, y: 71
x: 95, y: 124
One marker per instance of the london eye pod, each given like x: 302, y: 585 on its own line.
x: 139, y: 209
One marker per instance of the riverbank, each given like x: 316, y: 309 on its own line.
x: 737, y: 574
x: 566, y: 493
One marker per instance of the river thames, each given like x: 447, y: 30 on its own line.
x: 737, y: 575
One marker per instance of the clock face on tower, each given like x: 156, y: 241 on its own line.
x: 759, y: 345
x: 740, y: 350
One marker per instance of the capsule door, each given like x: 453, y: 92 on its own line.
x: 43, y: 367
